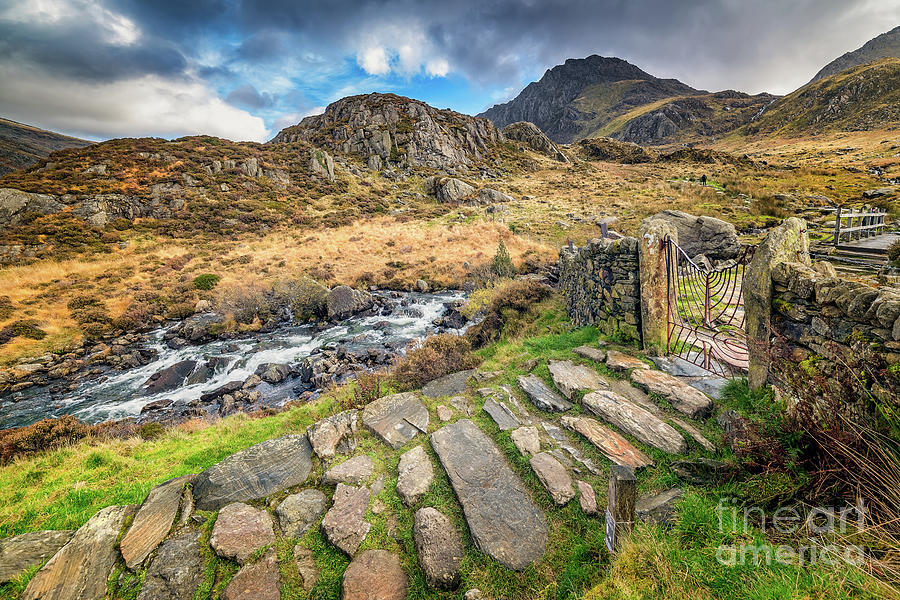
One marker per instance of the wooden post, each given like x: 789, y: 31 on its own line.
x: 620, y: 510
x: 837, y: 227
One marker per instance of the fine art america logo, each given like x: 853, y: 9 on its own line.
x: 818, y: 527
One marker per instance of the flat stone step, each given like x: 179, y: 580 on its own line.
x: 541, y: 395
x: 619, y: 361
x: 176, y: 572
x: 20, y: 553
x: 503, y: 520
x: 439, y: 547
x: 448, y: 385
x: 414, y: 475
x: 241, y: 530
x: 255, y: 472
x: 501, y: 414
x: 153, y: 521
x: 682, y: 396
x: 354, y: 471
x: 374, y: 575
x: 345, y: 523
x: 570, y: 378
x: 80, y: 570
x: 554, y: 477
x: 562, y: 440
x: 633, y: 419
x: 615, y: 447
x: 590, y: 353
x: 397, y: 418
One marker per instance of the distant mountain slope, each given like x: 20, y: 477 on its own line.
x: 390, y: 128
x: 862, y: 98
x: 574, y: 100
x: 886, y: 45
x: 23, y: 145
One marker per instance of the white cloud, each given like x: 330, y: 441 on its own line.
x: 117, y: 28
x: 144, y: 106
x: 373, y: 60
x: 437, y: 67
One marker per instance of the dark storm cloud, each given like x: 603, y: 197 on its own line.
x: 248, y: 97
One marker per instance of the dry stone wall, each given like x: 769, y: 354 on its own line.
x: 601, y: 282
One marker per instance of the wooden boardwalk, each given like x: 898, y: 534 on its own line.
x: 872, y: 245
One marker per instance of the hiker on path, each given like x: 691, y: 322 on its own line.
x: 703, y: 179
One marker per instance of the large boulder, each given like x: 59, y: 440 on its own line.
x: 170, y: 378
x: 528, y: 134
x: 16, y: 204
x: 714, y: 238
x: 448, y: 189
x: 255, y: 472
x: 343, y: 301
x: 334, y: 435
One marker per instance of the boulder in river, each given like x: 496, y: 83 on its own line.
x: 170, y: 378
x: 343, y: 301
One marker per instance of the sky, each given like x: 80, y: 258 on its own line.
x: 244, y: 69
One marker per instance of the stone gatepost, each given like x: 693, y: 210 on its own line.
x: 654, y: 284
x: 789, y: 242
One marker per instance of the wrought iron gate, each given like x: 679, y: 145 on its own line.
x: 706, y: 312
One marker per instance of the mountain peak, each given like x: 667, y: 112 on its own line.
x: 886, y: 45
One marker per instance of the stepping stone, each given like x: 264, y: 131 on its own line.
x: 440, y: 549
x: 298, y: 512
x: 176, y: 572
x: 635, y: 396
x: 355, y: 471
x: 448, y: 385
x: 257, y: 581
x: 21, y: 552
x: 541, y: 395
x: 695, y: 433
x: 415, y: 474
x: 615, y: 447
x: 334, y: 435
x: 618, y: 361
x: 461, y: 403
x: 153, y: 521
x: 590, y: 353
x: 586, y: 498
x: 241, y: 530
x: 486, y: 392
x: 526, y: 440
x: 444, y: 413
x: 306, y: 565
x: 554, y: 477
x: 255, y: 472
x: 345, y: 523
x: 570, y: 378
x: 374, y: 575
x: 683, y: 397
x: 658, y: 508
x: 500, y: 413
x: 633, y: 419
x: 82, y: 567
x: 502, y: 518
x: 396, y: 419
x: 562, y: 440
x: 711, y: 386
x: 678, y: 367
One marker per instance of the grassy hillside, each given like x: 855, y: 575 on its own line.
x: 23, y: 145
x: 866, y: 97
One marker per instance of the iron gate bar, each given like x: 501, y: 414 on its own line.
x: 705, y: 311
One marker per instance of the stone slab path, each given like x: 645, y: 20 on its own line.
x: 542, y: 395
x: 503, y: 520
x: 501, y: 414
x: 449, y: 385
x: 684, y: 398
x: 570, y: 378
x: 153, y: 520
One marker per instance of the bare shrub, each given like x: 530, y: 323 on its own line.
x: 432, y: 358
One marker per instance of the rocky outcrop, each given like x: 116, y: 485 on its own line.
x: 448, y: 189
x: 503, y: 520
x: 397, y: 129
x: 610, y: 150
x: 532, y: 137
x: 253, y: 473
x: 321, y: 163
x: 886, y: 45
x: 714, y: 238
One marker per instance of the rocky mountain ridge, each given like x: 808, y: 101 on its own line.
x: 23, y: 145
x: 383, y: 128
x: 574, y: 98
x: 886, y: 45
